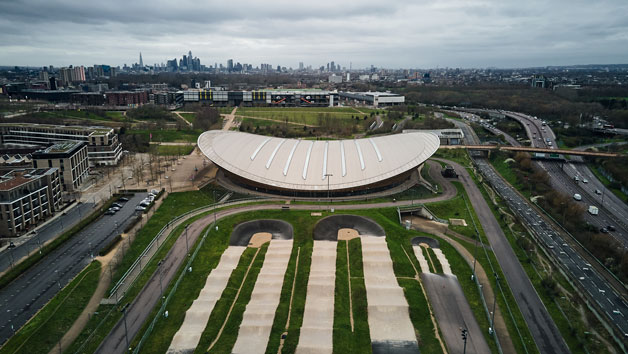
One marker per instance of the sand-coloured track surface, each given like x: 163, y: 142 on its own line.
x: 242, y: 233
x: 187, y: 337
x: 259, y: 314
x: 388, y: 313
x: 318, y: 318
x: 327, y: 228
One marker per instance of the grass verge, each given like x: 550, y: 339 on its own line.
x: 23, y: 266
x: 44, y: 331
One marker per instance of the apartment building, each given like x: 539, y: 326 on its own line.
x: 103, y: 146
x: 27, y: 196
x: 70, y: 158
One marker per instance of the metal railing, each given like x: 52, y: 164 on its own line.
x: 165, y: 303
x: 135, y: 269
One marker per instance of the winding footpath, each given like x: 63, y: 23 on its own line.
x: 540, y: 323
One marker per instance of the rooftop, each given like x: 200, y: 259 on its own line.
x: 95, y: 129
x: 16, y: 178
x: 65, y: 146
x: 306, y: 164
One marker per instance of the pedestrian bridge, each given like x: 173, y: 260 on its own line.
x: 532, y: 149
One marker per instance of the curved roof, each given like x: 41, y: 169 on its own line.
x: 303, y: 164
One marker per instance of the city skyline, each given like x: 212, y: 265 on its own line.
x: 393, y: 34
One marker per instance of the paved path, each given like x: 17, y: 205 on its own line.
x: 541, y: 325
x: 141, y: 307
x: 178, y: 114
x: 229, y: 119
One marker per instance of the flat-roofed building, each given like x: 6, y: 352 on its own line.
x: 452, y: 136
x: 70, y: 158
x: 27, y: 196
x: 374, y: 99
x: 103, y: 147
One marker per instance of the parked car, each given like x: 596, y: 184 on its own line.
x: 110, y: 212
x: 123, y: 199
x: 118, y: 205
x: 140, y: 208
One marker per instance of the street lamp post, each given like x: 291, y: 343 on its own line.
x: 161, y: 288
x: 475, y: 255
x: 126, y: 330
x: 328, y: 175
x: 492, y: 328
x: 465, y: 333
x: 187, y: 247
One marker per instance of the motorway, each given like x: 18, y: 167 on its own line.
x: 612, y: 211
x: 545, y: 333
x: 45, y: 233
x: 27, y: 294
x: 607, y: 299
x: 576, y: 267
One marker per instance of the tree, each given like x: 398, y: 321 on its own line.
x: 206, y: 117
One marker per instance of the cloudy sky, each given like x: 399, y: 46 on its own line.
x: 384, y: 33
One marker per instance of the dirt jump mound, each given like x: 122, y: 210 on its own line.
x: 433, y: 243
x: 327, y: 228
x: 242, y: 233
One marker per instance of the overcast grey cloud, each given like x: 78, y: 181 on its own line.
x: 392, y: 33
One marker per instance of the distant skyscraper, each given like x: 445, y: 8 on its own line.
x: 301, y: 65
x: 189, y: 64
x: 141, y: 61
x: 230, y: 65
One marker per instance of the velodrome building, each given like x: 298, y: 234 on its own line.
x: 314, y: 168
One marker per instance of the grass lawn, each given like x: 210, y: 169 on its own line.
x: 607, y: 183
x: 116, y: 115
x: 175, y: 150
x: 345, y: 341
x: 457, y: 208
x: 310, y: 116
x: 175, y: 204
x: 168, y: 135
x: 566, y: 311
x: 43, y: 332
x: 221, y: 310
x: 190, y: 117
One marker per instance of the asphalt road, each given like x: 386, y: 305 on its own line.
x: 545, y: 333
x: 612, y: 211
x: 26, y: 295
x: 453, y: 314
x: 45, y: 233
x: 579, y: 270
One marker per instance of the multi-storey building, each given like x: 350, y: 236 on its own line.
x: 27, y: 196
x: 103, y: 147
x: 70, y: 158
x: 126, y: 98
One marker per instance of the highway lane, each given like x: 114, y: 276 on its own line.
x: 27, y: 294
x: 611, y: 303
x: 541, y: 325
x: 581, y: 273
x: 44, y: 234
x: 612, y: 212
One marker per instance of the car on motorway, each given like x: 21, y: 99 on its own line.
x: 577, y: 197
x: 576, y: 178
x: 610, y: 228
x: 584, y: 180
x: 603, y: 230
x: 598, y: 192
